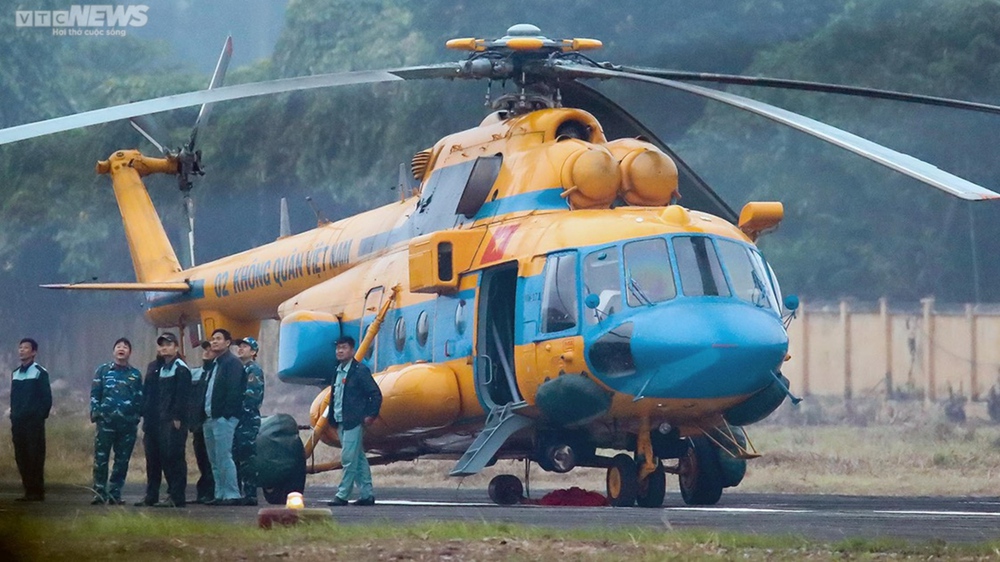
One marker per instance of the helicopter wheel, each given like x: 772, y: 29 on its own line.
x: 700, y: 474
x: 653, y: 489
x: 623, y: 481
x: 506, y: 489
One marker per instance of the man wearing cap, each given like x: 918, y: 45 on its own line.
x: 30, y: 403
x: 115, y: 406
x: 223, y: 404
x: 245, y: 441
x: 172, y: 408
x: 355, y: 401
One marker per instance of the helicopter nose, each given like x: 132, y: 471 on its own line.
x: 692, y: 350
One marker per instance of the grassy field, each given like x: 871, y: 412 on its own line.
x: 917, y: 453
x: 121, y: 536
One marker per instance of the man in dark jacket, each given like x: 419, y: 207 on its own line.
x: 205, y: 487
x: 30, y: 403
x: 151, y: 431
x: 355, y: 401
x: 223, y: 404
x: 172, y: 409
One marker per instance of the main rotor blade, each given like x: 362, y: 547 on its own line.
x: 902, y: 163
x: 218, y: 77
x: 824, y: 87
x: 253, y: 89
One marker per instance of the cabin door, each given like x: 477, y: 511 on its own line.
x: 496, y: 383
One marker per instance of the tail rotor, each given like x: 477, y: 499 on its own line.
x: 187, y: 157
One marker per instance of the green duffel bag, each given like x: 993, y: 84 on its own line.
x: 281, y: 462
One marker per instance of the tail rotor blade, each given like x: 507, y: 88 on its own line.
x: 218, y: 78
x: 147, y: 128
x: 189, y: 215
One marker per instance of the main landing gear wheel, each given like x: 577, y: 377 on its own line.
x: 623, y: 481
x: 506, y: 489
x: 699, y: 473
x: 653, y: 489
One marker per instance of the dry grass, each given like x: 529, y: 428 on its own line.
x: 130, y: 536
x: 916, y: 453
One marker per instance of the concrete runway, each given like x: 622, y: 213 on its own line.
x: 815, y: 517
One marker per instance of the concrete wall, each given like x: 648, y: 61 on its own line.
x: 853, y: 349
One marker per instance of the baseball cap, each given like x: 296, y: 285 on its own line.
x: 249, y: 341
x: 166, y: 337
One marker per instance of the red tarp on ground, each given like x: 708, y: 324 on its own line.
x: 572, y: 497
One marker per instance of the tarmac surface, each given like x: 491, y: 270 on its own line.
x: 815, y: 517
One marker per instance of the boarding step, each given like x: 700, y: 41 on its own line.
x: 502, y: 422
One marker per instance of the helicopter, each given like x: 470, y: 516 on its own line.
x: 545, y: 295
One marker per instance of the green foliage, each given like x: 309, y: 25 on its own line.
x: 851, y: 227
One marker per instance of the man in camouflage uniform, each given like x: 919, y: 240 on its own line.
x: 245, y: 443
x: 115, y: 403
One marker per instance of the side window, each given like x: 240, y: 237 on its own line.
x: 741, y: 271
x: 698, y: 265
x: 559, y: 300
x: 477, y: 188
x: 602, y: 277
x: 649, y: 278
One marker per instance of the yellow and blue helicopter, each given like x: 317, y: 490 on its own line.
x: 544, y: 295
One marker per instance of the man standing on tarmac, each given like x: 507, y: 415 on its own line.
x: 355, y: 401
x: 174, y: 390
x: 223, y: 404
x: 30, y: 403
x: 151, y: 431
x: 115, y: 404
x: 205, y: 487
x: 245, y: 442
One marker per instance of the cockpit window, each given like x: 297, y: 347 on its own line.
x: 559, y: 299
x: 649, y: 279
x: 602, y: 277
x: 698, y: 265
x: 750, y: 280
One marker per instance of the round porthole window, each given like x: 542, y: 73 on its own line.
x: 400, y: 333
x: 423, y: 328
x: 460, y: 318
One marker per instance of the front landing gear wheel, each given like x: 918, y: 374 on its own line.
x: 653, y: 489
x: 699, y: 473
x: 506, y: 489
x: 623, y: 481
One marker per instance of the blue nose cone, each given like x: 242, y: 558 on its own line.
x: 694, y: 349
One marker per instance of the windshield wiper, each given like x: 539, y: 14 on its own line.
x: 633, y: 287
x: 761, y: 299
